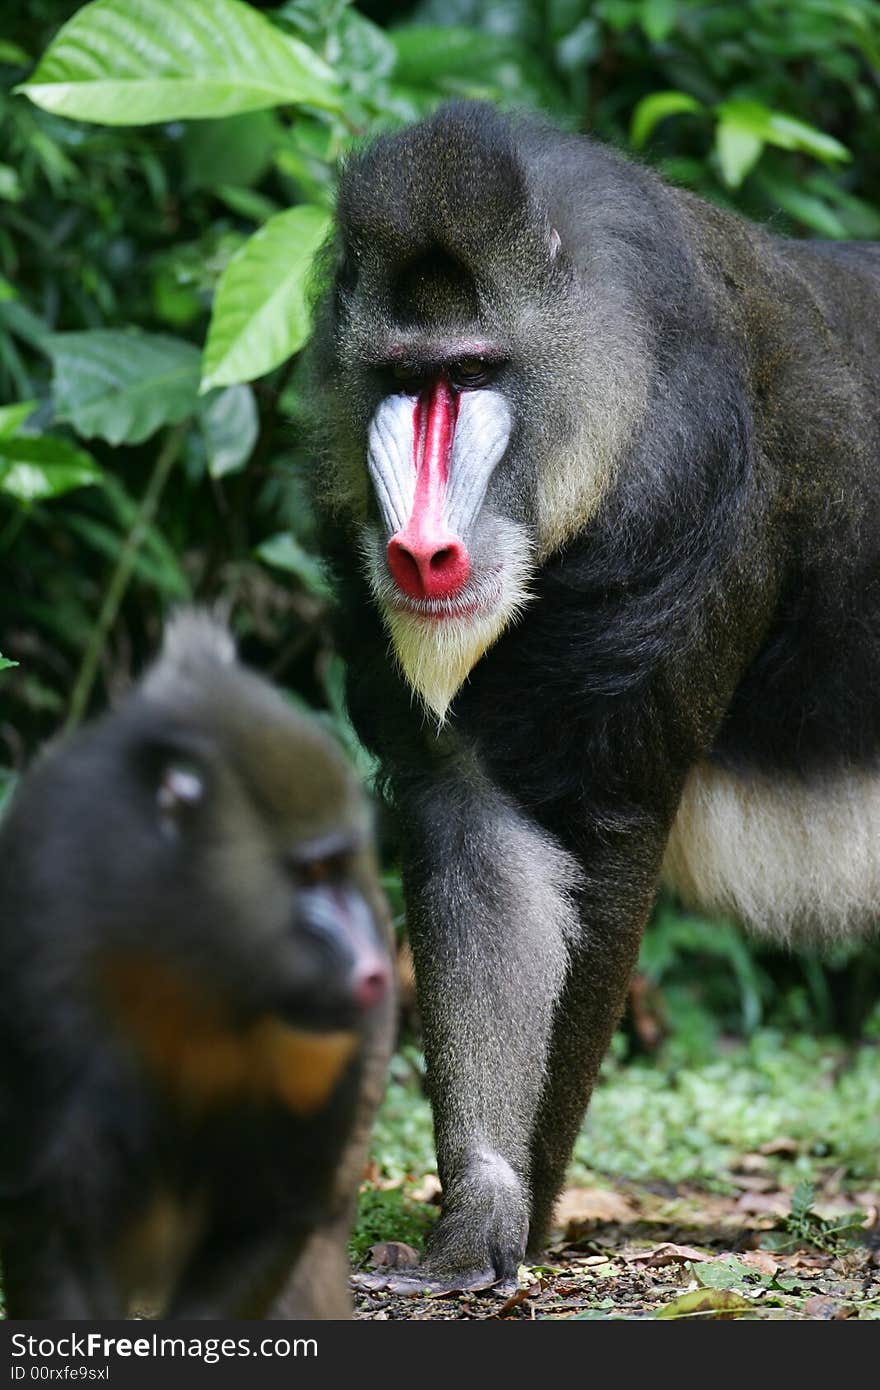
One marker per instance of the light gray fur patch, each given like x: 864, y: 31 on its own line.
x: 495, y: 1170
x: 482, y: 433
x: 795, y: 860
x: 390, y: 460
x: 194, y: 638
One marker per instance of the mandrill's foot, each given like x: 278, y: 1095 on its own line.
x: 478, y: 1242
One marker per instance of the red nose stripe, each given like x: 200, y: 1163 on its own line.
x: 434, y: 419
x: 426, y: 559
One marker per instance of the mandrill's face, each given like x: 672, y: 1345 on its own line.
x: 471, y: 377
x: 448, y: 569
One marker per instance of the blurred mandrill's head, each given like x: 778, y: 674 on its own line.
x: 207, y: 865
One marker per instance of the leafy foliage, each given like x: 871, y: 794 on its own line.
x: 132, y: 62
x: 122, y: 385
x: 260, y: 312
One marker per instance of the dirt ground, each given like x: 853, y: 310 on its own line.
x: 681, y: 1252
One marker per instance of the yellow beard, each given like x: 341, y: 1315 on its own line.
x: 436, y: 655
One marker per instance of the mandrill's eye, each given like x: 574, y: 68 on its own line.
x: 470, y: 372
x: 407, y: 378
x: 329, y: 868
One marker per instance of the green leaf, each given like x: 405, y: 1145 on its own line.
x: 655, y: 108
x: 261, y: 313
x: 157, y: 559
x: 13, y: 416
x: 726, y: 1273
x: 620, y: 14
x: 247, y: 202
x: 7, y: 291
x: 802, y: 1199
x: 5, y: 663
x: 149, y: 564
x: 427, y: 51
x: 229, y: 425
x: 122, y: 384
x: 134, y: 62
x: 706, y: 1303
x: 362, y: 52
x: 234, y: 152
x: 8, y: 780
x: 23, y: 322
x: 11, y: 190
x: 285, y: 552
x: 746, y: 126
x: 33, y: 469
x: 791, y: 134
x: 738, y: 151
x: 658, y: 19
x: 862, y: 219
x: 805, y: 207
x: 341, y: 725
x: 14, y: 55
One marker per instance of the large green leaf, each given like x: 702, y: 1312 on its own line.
x: 745, y: 127
x: 428, y: 51
x: 12, y: 417
x: 261, y: 310
x: 33, y: 469
x: 738, y: 150
x: 658, y: 19
x: 132, y: 62
x: 122, y: 384
x: 229, y: 425
x: 655, y: 108
x: 285, y: 552
x: 234, y: 152
x: 814, y: 212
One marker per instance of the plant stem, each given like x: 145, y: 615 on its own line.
x: 121, y: 576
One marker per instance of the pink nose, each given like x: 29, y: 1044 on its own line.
x: 428, y: 568
x: 370, y: 983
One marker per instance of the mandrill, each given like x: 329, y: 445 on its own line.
x: 600, y: 471
x: 196, y: 1005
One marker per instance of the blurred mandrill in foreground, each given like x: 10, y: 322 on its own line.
x: 196, y: 1005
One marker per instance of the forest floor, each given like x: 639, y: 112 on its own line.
x: 743, y: 1186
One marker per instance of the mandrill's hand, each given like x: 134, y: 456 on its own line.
x: 479, y: 1241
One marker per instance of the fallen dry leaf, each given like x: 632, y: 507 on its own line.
x: 820, y: 1306
x: 755, y: 1182
x: 579, y: 1205
x: 752, y: 1163
x: 516, y: 1300
x: 393, y: 1254
x: 428, y: 1190
x: 761, y: 1260
x: 373, y: 1177
x: 666, y: 1254
x: 805, y: 1259
x: 782, y: 1145
x: 764, y: 1203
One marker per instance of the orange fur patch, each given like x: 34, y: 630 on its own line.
x: 187, y: 1038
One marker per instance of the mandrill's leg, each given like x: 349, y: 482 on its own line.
x: 490, y: 912
x: 601, y: 965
